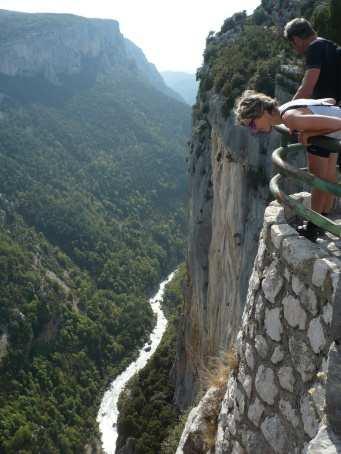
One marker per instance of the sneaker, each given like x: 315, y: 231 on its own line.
x: 310, y: 231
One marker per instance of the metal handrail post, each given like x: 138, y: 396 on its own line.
x: 286, y: 169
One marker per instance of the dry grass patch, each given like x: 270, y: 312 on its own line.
x: 216, y: 375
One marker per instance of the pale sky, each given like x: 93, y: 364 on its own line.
x: 172, y: 34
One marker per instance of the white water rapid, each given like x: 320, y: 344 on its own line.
x: 108, y: 412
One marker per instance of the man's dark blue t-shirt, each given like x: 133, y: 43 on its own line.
x: 323, y: 54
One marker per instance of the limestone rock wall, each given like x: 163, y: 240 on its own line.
x: 229, y: 172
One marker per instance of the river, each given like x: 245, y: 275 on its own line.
x: 108, y: 412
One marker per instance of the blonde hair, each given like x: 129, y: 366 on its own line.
x: 252, y: 105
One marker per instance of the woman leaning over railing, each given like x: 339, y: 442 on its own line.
x: 307, y: 118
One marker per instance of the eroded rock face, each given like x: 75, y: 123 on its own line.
x: 191, y: 341
x: 229, y: 171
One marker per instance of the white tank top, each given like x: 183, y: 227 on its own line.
x: 317, y: 107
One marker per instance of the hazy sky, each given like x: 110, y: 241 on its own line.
x: 171, y: 33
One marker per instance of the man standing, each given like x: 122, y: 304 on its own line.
x: 320, y: 81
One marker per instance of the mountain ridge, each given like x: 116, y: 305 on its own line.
x: 68, y: 45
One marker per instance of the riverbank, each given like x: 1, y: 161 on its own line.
x: 147, y: 413
x: 108, y: 412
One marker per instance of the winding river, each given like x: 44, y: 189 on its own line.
x: 108, y: 412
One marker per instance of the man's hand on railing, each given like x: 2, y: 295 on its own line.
x: 303, y: 138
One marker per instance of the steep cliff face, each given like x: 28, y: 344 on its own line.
x: 229, y: 171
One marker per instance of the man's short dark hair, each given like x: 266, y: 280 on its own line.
x: 299, y: 27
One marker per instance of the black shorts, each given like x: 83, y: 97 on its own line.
x: 319, y: 151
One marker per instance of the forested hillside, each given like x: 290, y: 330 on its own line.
x: 92, y: 192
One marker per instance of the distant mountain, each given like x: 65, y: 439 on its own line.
x: 50, y: 51
x: 183, y: 83
x: 92, y: 215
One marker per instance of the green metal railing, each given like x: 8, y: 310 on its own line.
x: 279, y: 159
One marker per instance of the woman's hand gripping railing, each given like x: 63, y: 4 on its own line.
x: 279, y: 159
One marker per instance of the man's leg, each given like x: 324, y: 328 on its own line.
x: 331, y: 176
x: 319, y: 166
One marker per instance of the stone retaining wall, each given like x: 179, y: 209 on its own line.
x: 275, y: 401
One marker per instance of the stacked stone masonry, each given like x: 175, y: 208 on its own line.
x: 275, y: 401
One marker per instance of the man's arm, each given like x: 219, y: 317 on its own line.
x: 303, y: 137
x: 309, y: 81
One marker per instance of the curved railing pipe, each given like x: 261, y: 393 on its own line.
x: 279, y: 159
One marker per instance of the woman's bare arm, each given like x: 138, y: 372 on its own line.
x: 309, y: 122
x: 296, y: 119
